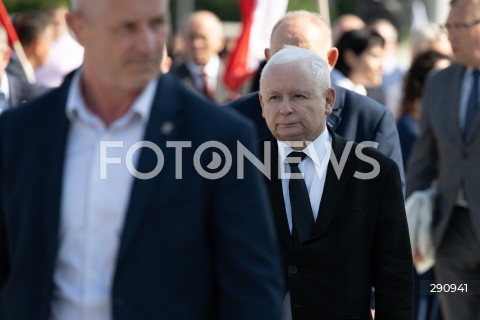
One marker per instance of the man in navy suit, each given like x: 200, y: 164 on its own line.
x: 91, y: 228
x: 341, y: 226
x: 355, y: 117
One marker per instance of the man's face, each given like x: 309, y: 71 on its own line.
x: 44, y: 45
x: 123, y: 41
x: 203, y: 40
x: 294, y: 105
x: 464, y: 34
x: 366, y: 68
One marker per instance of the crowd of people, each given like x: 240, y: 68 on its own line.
x: 109, y: 207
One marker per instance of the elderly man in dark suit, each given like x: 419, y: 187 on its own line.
x: 355, y: 117
x: 89, y: 228
x: 447, y: 155
x: 338, y: 206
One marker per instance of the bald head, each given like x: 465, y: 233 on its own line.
x: 344, y: 23
x: 303, y: 29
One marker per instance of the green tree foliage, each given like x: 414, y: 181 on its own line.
x: 22, y: 5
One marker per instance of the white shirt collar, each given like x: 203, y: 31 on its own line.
x: 4, y: 86
x: 210, y: 69
x: 315, y: 150
x: 76, y: 106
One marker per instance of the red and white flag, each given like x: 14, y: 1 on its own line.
x: 258, y: 19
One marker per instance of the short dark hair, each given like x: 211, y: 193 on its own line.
x: 357, y: 41
x: 414, y: 80
x: 30, y: 25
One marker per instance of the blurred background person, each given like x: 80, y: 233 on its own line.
x: 427, y: 307
x: 35, y: 32
x: 430, y: 37
x: 203, y: 69
x: 447, y: 154
x: 389, y: 92
x: 13, y: 90
x: 360, y: 60
x: 344, y: 23
x: 408, y: 123
x: 65, y: 54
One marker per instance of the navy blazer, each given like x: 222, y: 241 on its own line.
x: 359, y: 240
x: 191, y: 248
x: 21, y: 91
x: 354, y: 117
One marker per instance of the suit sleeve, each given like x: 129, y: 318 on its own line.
x: 249, y: 277
x: 4, y: 264
x: 392, y: 259
x: 422, y: 166
x: 389, y: 142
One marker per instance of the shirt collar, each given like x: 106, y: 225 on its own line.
x: 210, y: 69
x: 4, y: 86
x: 315, y: 150
x: 76, y: 106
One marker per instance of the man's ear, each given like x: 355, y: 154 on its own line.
x: 330, y: 100
x: 332, y: 57
x: 76, y: 23
x: 267, y: 53
x: 261, y: 103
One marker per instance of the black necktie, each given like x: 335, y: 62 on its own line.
x: 302, y: 215
x: 472, y: 105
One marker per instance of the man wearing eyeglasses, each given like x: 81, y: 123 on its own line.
x: 448, y: 152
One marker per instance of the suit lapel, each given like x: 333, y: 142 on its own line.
x: 274, y: 185
x: 455, y: 96
x: 334, y: 188
x: 163, y: 126
x: 54, y: 131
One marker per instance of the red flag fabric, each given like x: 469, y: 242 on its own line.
x: 258, y: 19
x: 7, y: 24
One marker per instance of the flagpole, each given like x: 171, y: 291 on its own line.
x: 324, y: 10
x: 15, y: 43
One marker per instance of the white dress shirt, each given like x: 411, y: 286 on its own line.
x: 5, y: 89
x: 314, y: 169
x: 211, y: 69
x: 93, y: 209
x: 341, y: 80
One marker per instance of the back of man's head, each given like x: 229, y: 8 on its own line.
x: 306, y: 30
x: 30, y: 25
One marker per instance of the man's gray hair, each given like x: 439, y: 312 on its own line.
x: 291, y: 54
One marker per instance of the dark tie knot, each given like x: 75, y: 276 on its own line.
x: 292, y: 158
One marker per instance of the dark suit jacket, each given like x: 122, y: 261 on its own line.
x: 360, y: 240
x: 441, y: 156
x: 191, y: 248
x: 21, y: 91
x: 221, y: 95
x: 354, y: 117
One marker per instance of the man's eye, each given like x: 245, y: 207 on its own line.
x: 299, y: 96
x: 273, y: 98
